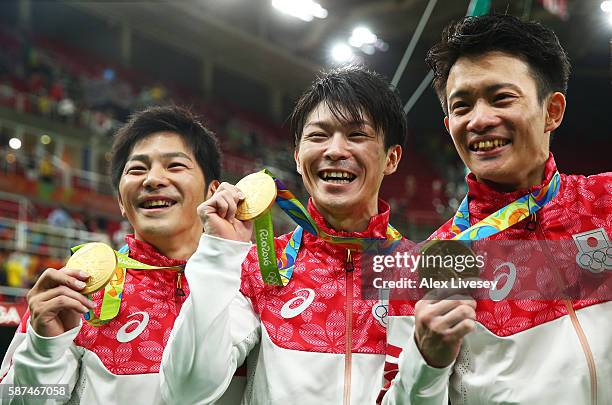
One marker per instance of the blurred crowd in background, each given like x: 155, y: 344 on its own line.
x: 53, y: 81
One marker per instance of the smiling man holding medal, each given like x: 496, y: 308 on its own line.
x: 502, y: 84
x: 164, y: 164
x: 295, y: 308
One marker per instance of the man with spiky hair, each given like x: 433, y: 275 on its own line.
x: 313, y: 340
x: 502, y: 84
x: 164, y: 164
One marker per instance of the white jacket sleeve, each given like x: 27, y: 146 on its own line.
x: 415, y: 382
x: 33, y: 360
x: 215, y: 329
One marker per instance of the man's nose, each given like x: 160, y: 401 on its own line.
x: 156, y: 177
x: 482, y: 118
x: 337, y: 147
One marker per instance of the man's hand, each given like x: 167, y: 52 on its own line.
x: 55, y: 302
x: 440, y: 327
x: 218, y: 214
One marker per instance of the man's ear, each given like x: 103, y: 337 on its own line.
x: 212, y: 187
x: 446, y: 123
x: 120, y: 202
x: 394, y: 155
x: 555, y: 109
x: 296, y: 157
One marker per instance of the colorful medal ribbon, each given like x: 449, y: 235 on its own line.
x: 113, y: 291
x: 505, y: 217
x: 278, y: 272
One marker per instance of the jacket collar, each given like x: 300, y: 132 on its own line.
x: 148, y: 254
x: 484, y: 200
x: 377, y: 227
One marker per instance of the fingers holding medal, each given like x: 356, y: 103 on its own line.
x: 259, y: 192
x: 448, y: 313
x: 96, y: 259
x: 57, y: 300
x: 227, y: 214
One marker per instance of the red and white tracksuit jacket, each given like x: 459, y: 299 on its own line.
x: 116, y: 363
x: 522, y: 351
x: 314, y: 341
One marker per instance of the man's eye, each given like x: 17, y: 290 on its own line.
x: 176, y: 165
x: 459, y: 106
x: 359, y: 135
x: 135, y: 169
x: 503, y: 97
x: 316, y: 135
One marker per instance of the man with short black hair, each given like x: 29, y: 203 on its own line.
x: 502, y: 85
x: 164, y: 164
x: 313, y: 340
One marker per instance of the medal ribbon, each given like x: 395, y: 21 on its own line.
x: 278, y: 272
x: 113, y: 291
x: 505, y: 217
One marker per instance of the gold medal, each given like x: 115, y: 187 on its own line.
x: 438, y: 261
x: 259, y: 192
x: 98, y: 260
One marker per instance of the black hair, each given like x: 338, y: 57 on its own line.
x: 535, y: 44
x: 202, y: 142
x: 349, y: 92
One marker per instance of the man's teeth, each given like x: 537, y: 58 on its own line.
x: 338, y: 177
x: 157, y: 204
x: 488, y: 145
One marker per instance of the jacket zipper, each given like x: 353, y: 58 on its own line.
x: 586, y: 349
x: 179, y: 292
x: 348, y: 330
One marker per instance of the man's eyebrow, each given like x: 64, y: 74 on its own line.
x: 350, y: 124
x: 488, y: 89
x: 458, y: 94
x: 146, y: 159
x: 171, y: 155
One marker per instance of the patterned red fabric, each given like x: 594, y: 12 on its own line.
x: 582, y: 204
x: 22, y: 328
x: 23, y: 325
x: 149, y: 291
x: 390, y: 371
x: 320, y: 267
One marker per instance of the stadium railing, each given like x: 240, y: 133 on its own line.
x: 42, y: 239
